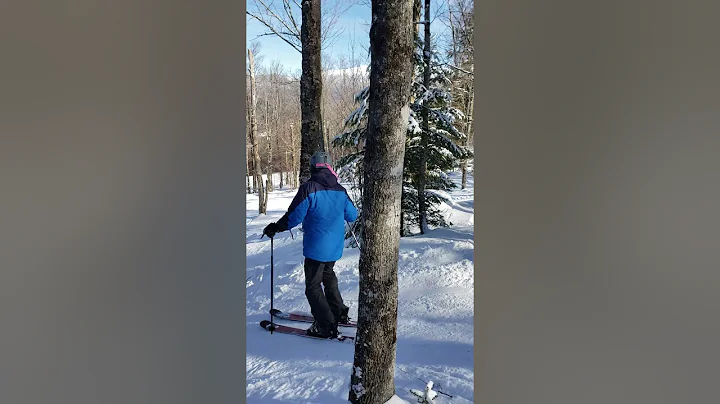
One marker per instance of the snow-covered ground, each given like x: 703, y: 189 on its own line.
x: 435, y: 313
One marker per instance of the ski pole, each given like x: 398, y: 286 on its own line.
x: 272, y: 286
x: 272, y: 278
x: 355, y: 237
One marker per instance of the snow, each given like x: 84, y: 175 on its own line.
x: 435, y: 311
x: 396, y: 400
x: 361, y: 70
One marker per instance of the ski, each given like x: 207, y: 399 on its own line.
x: 304, y: 318
x: 300, y: 332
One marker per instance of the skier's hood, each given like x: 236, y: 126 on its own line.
x: 324, y: 175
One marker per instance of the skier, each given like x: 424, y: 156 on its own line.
x: 322, y: 205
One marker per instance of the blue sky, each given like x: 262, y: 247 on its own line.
x: 355, y: 22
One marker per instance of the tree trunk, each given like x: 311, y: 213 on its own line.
x: 271, y: 169
x: 468, y: 128
x: 257, y: 180
x: 267, y: 188
x: 417, y: 9
x: 456, y: 61
x: 328, y: 147
x: 463, y: 169
x: 402, y: 218
x: 277, y: 130
x: 248, y: 155
x: 282, y: 172
x: 422, y: 175
x: 269, y: 143
x: 293, y: 165
x: 311, y: 139
x: 247, y: 170
x: 391, y: 49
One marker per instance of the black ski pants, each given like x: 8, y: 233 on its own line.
x: 325, y: 307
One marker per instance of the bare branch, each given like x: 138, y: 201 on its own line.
x: 282, y: 20
x: 276, y: 32
x: 288, y: 11
x: 458, y: 69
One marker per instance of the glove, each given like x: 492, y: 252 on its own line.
x: 271, y: 229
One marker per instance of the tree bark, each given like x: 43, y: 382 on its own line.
x: 257, y: 180
x: 422, y: 175
x: 391, y: 49
x: 311, y: 139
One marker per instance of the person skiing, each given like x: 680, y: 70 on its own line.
x: 322, y: 205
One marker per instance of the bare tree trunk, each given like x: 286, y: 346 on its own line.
x: 276, y: 124
x: 267, y: 187
x: 391, y: 49
x: 251, y: 168
x: 269, y: 143
x: 257, y: 181
x: 293, y: 165
x: 248, y: 155
x: 417, y: 9
x: 282, y: 172
x: 328, y: 147
x: 456, y: 61
x: 247, y: 170
x: 402, y: 220
x: 422, y: 175
x: 311, y: 139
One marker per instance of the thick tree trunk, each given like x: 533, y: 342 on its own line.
x: 422, y: 175
x: 391, y: 47
x: 257, y: 180
x: 311, y: 139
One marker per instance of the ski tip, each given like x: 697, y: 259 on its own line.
x: 275, y: 312
x: 265, y: 324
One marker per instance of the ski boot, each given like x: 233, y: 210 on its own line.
x: 344, y: 319
x: 314, y: 331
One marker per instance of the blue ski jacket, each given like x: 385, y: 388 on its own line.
x: 322, y: 205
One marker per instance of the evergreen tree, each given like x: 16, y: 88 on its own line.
x: 444, y: 149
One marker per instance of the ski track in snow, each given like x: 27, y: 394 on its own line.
x: 435, y: 311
